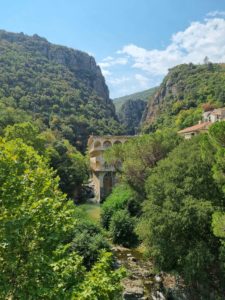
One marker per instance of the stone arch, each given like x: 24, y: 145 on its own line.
x: 97, y: 144
x: 117, y: 143
x: 107, y: 144
x: 107, y: 184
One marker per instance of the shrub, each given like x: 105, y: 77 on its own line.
x: 122, y: 227
x: 88, y: 242
x: 122, y: 197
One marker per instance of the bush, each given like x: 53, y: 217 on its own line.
x: 122, y: 197
x: 122, y: 227
x: 88, y: 242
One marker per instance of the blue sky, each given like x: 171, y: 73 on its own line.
x: 134, y: 41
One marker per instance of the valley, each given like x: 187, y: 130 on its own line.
x: 157, y: 230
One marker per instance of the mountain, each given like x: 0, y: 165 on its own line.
x: 57, y: 87
x: 130, y: 109
x: 144, y: 95
x: 130, y: 115
x: 178, y: 102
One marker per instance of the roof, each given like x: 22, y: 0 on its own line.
x: 194, y: 128
x: 218, y: 111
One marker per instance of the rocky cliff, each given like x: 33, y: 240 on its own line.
x: 130, y: 115
x: 60, y: 87
x: 76, y: 61
x: 178, y: 101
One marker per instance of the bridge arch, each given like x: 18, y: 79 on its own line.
x: 117, y: 143
x: 107, y: 144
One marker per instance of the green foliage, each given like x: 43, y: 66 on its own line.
x: 140, y: 155
x: 179, y: 98
x: 122, y: 227
x: 176, y: 222
x: 37, y: 226
x: 70, y: 165
x: 52, y: 85
x: 217, y: 139
x: 28, y: 133
x: 144, y: 95
x: 88, y: 241
x: 122, y: 197
x: 39, y: 231
x: 189, y: 117
x: 101, y: 282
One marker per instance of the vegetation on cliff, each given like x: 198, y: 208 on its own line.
x: 178, y: 101
x: 55, y: 86
x: 144, y: 96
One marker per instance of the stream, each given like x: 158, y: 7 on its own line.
x: 141, y: 283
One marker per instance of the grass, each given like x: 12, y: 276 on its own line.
x: 92, y: 210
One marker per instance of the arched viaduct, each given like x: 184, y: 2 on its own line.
x: 103, y: 175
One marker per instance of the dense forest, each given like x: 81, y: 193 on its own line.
x: 63, y: 94
x: 171, y: 199
x: 51, y: 99
x: 55, y: 86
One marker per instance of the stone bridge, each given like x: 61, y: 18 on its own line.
x: 103, y: 175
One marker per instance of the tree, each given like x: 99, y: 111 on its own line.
x: 88, y: 241
x: 176, y: 222
x: 121, y: 229
x: 122, y: 197
x: 69, y: 164
x: 140, y: 155
x: 36, y: 229
x: 106, y: 287
x: 28, y: 133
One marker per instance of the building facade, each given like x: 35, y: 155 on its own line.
x: 103, y: 175
x: 208, y: 118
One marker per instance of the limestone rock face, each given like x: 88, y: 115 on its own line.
x: 130, y: 115
x: 76, y: 61
x: 186, y: 86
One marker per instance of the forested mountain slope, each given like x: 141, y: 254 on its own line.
x: 144, y: 95
x: 178, y: 101
x: 130, y: 115
x: 61, y: 88
x: 130, y: 109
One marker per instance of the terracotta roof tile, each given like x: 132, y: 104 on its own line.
x: 197, y: 127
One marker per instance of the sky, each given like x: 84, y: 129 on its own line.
x: 134, y: 42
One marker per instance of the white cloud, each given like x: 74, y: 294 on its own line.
x: 135, y: 68
x: 108, y: 58
x: 119, y: 80
x: 142, y: 80
x: 106, y: 72
x: 191, y: 45
x: 110, y: 61
x: 216, y: 13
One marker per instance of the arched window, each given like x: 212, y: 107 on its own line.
x: 107, y: 144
